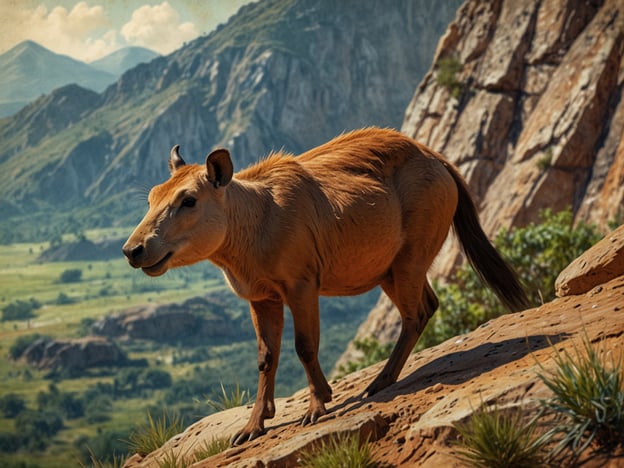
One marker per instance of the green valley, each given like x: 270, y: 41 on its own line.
x: 55, y: 417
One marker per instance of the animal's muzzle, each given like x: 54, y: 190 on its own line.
x: 134, y: 254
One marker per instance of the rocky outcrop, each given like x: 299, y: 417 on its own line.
x: 194, y: 319
x: 74, y: 355
x: 411, y: 422
x: 603, y: 262
x: 526, y: 99
x: 537, y: 121
x: 82, y: 250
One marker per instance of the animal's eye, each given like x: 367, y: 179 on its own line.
x: 189, y: 202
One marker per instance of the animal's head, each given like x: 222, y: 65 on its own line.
x: 186, y: 221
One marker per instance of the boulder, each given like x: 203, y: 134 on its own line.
x: 603, y: 262
x: 74, y: 354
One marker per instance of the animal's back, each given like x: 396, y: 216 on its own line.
x: 350, y: 205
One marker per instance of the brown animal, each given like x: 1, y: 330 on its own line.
x: 369, y: 208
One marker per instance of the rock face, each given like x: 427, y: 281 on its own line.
x: 533, y: 117
x: 537, y: 121
x: 74, y: 355
x: 601, y: 263
x: 196, y: 318
x: 411, y: 422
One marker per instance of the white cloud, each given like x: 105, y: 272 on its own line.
x: 158, y: 27
x: 83, y: 32
x: 87, y: 32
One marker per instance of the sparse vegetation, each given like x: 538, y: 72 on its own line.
x: 208, y: 449
x: 588, y: 397
x: 545, y: 161
x: 154, y: 433
x: 372, y: 352
x: 71, y: 275
x: 492, y: 437
x: 446, y: 76
x: 233, y: 399
x: 538, y: 253
x: 340, y: 451
x: 20, y: 310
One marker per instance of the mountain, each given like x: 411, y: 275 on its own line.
x: 286, y: 74
x: 124, y: 59
x: 526, y: 99
x: 29, y: 70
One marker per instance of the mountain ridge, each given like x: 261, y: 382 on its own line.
x: 29, y: 71
x: 316, y: 70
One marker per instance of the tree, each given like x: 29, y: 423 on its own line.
x: 12, y: 405
x: 20, y: 310
x: 72, y: 275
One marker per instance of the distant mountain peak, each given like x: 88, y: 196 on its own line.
x: 124, y: 59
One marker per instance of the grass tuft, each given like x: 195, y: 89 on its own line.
x: 495, y: 438
x: 235, y: 398
x: 154, y: 433
x: 208, y: 449
x: 173, y: 460
x: 117, y: 461
x: 588, y: 397
x: 340, y: 451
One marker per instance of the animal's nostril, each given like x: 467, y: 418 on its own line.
x: 133, y: 252
x: 137, y: 251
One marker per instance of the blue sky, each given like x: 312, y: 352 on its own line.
x: 88, y: 30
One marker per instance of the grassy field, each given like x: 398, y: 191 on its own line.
x: 111, y: 286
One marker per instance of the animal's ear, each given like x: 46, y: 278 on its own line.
x: 219, y: 167
x: 175, y: 160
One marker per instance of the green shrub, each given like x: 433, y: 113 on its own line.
x: 22, y: 343
x: 372, y: 352
x: 12, y: 405
x: 38, y: 425
x: 67, y: 403
x: 495, y: 438
x: 20, y: 310
x: 98, y: 409
x: 105, y: 449
x: 63, y: 299
x: 537, y: 252
x: 588, y: 397
x: 446, y: 76
x: 340, y: 451
x: 72, y: 275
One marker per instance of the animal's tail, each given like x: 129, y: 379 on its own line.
x: 482, y: 255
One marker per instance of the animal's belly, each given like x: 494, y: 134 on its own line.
x: 355, y: 269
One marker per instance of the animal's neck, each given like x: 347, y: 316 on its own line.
x: 245, y: 206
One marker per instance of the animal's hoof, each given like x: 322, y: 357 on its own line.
x: 311, y: 417
x: 375, y: 387
x: 245, y: 436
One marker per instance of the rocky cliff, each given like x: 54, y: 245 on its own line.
x: 526, y: 99
x: 411, y: 422
x: 536, y: 120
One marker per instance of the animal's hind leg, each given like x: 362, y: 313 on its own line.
x: 303, y: 303
x: 416, y: 301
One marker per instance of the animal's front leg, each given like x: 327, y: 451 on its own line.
x: 305, y: 311
x: 268, y: 321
